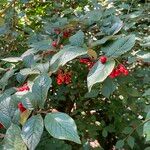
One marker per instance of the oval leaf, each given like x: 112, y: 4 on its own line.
x: 65, y: 55
x: 13, y: 139
x: 62, y: 126
x: 120, y: 46
x: 40, y: 88
x: 99, y: 72
x: 32, y: 131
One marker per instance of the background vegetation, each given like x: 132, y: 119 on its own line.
x: 48, y: 48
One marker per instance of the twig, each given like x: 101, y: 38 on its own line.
x: 136, y: 128
x: 10, y: 4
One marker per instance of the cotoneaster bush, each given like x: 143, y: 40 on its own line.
x: 74, y: 75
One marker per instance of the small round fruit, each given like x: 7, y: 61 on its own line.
x: 103, y: 59
x: 54, y: 43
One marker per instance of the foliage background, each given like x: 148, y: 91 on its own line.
x: 114, y: 112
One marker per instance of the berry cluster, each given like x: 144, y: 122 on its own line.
x: 88, y: 62
x: 25, y: 87
x: 21, y: 107
x: 63, y: 78
x: 65, y: 34
x: 119, y: 70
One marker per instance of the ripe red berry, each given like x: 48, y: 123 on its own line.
x: 54, y: 43
x: 126, y: 72
x: 25, y: 87
x: 63, y: 78
x: 21, y: 107
x: 103, y: 59
x: 1, y: 126
x: 85, y: 60
x: 66, y: 34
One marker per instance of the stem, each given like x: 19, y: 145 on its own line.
x: 10, y: 4
x: 136, y: 128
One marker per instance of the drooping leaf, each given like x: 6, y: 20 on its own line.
x: 40, y: 46
x: 40, y: 88
x: 61, y: 126
x: 7, y: 111
x: 120, y: 46
x: 13, y: 139
x: 65, y: 55
x: 108, y: 87
x: 12, y: 59
x: 24, y: 116
x: 77, y: 39
x: 32, y: 131
x: 119, y: 144
x: 99, y: 72
x: 131, y: 141
x: 29, y: 101
x: 5, y: 78
x: 29, y: 60
x: 146, y: 128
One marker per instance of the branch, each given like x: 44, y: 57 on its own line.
x: 136, y: 128
x: 10, y: 5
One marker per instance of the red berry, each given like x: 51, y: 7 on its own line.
x: 90, y: 65
x: 25, y: 87
x: 54, y: 43
x: 67, y: 78
x: 85, y: 60
x: 1, y: 126
x: 121, y: 68
x: 66, y: 34
x: 103, y: 59
x: 21, y: 107
x: 117, y: 72
x: 126, y: 72
x: 60, y: 79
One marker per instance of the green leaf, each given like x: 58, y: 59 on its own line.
x: 53, y: 144
x: 144, y: 56
x: 12, y: 59
x: 111, y: 25
x: 13, y: 139
x: 7, y: 111
x: 40, y: 88
x: 93, y: 16
x: 127, y: 130
x: 120, y: 46
x: 40, y: 46
x: 32, y: 131
x: 99, y: 72
x: 29, y: 60
x: 61, y: 126
x: 104, y: 133
x: 92, y: 94
x: 65, y: 55
x: 146, y: 127
x: 108, y: 87
x: 147, y: 92
x: 29, y: 101
x: 101, y: 41
x: 77, y: 39
x: 119, y: 144
x: 131, y: 141
x: 5, y: 78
